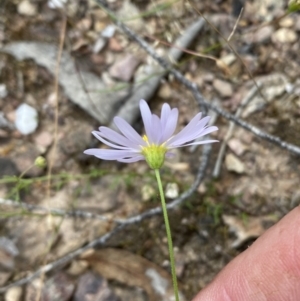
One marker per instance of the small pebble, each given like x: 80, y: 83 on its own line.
x: 26, y: 8
x: 284, y: 35
x: 13, y: 294
x: 108, y: 32
x: 3, y: 91
x: 223, y: 88
x: 56, y: 3
x: 172, y: 190
x: 234, y: 164
x: 99, y: 45
x: 26, y: 119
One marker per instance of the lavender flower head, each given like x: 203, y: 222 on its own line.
x: 158, y: 141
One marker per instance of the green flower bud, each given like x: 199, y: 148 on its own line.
x: 40, y: 162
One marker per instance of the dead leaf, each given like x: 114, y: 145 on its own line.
x: 133, y: 270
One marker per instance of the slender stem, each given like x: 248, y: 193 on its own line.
x: 168, y: 230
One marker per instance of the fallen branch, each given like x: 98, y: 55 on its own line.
x: 56, y: 211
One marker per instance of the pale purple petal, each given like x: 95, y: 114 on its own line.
x: 98, y: 136
x: 109, y: 154
x: 196, y: 143
x: 193, y: 133
x: 165, y: 113
x: 116, y: 137
x: 147, y: 118
x: 207, y: 130
x: 186, y: 131
x: 156, y: 130
x: 128, y: 131
x: 201, y: 125
x: 133, y: 159
x: 184, y: 141
x: 203, y: 122
x: 170, y: 126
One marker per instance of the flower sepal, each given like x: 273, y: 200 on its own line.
x: 154, y: 155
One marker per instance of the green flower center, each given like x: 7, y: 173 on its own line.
x: 154, y: 154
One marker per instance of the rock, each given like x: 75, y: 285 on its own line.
x: 265, y: 10
x: 108, y: 32
x: 128, y: 13
x: 99, y: 44
x: 56, y: 3
x: 263, y: 35
x: 97, y: 59
x: 172, y: 191
x: 3, y: 91
x: 272, y: 88
x: 234, y: 164
x: 223, y: 88
x: 251, y: 62
x: 84, y: 24
x: 13, y: 294
x: 114, y: 45
x: 208, y: 77
x: 43, y: 140
x: 26, y: 119
x: 32, y: 288
x: 228, y: 59
x: 165, y: 91
x: 5, y: 123
x: 27, y: 8
x: 124, y: 69
x: 297, y: 24
x: 92, y: 286
x: 148, y: 192
x: 8, y: 251
x: 11, y: 117
x: 284, y: 35
x: 77, y: 267
x: 237, y: 146
x: 287, y: 21
x: 59, y: 287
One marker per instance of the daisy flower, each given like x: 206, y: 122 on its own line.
x: 158, y: 141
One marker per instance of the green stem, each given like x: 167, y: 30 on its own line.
x: 168, y: 230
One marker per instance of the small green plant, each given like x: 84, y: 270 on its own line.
x: 214, y: 210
